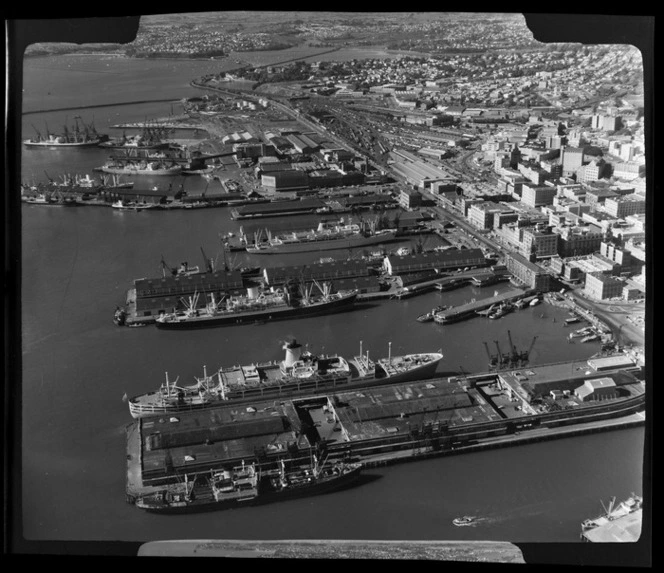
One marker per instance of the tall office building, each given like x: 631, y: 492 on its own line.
x: 571, y: 160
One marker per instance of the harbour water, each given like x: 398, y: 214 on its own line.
x: 77, y: 264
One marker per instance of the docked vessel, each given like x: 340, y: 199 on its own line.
x: 429, y: 316
x: 132, y: 205
x: 254, y: 307
x: 77, y: 136
x: 248, y: 484
x: 324, y: 238
x: 141, y: 167
x: 299, y: 372
x: 151, y: 137
x: 617, y: 523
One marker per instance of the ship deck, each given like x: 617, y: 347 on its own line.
x: 624, y: 528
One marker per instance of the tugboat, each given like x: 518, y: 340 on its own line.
x: 120, y: 316
x: 464, y: 521
x: 429, y: 316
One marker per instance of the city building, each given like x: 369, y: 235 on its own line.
x: 287, y: 180
x: 619, y: 255
x: 482, y: 214
x: 579, y: 240
x: 410, y: 198
x: 592, y: 171
x: 597, y: 195
x: 527, y: 273
x: 571, y: 159
x: 621, y: 207
x: 601, y: 285
x: 536, y: 196
x: 540, y: 244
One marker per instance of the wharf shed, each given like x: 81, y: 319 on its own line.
x: 440, y: 260
x: 153, y: 196
x: 193, y: 442
x: 367, y: 201
x: 216, y: 281
x: 278, y: 207
x: 597, y: 389
x: 275, y: 276
x: 362, y: 285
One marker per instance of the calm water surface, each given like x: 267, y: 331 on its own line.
x: 77, y: 264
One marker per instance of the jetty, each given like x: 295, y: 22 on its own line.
x: 470, y: 309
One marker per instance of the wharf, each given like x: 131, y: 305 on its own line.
x: 383, y: 423
x: 468, y: 310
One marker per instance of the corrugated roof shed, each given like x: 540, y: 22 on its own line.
x: 188, y: 284
x: 175, y: 436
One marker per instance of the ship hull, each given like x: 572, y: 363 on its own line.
x: 320, y: 487
x: 280, y: 313
x: 323, y: 244
x: 304, y: 387
x: 121, y: 171
x: 94, y: 143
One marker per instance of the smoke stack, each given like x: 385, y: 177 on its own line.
x: 293, y: 353
x: 252, y: 292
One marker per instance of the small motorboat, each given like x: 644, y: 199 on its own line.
x: 465, y: 520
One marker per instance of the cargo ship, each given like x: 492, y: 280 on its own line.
x: 140, y: 167
x: 324, y: 238
x: 301, y: 372
x: 621, y: 523
x: 76, y: 136
x: 246, y: 485
x: 255, y: 307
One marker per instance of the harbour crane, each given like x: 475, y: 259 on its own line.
x: 207, y: 262
x: 503, y: 360
x: 514, y: 354
x: 39, y: 135
x: 493, y: 360
x: 525, y: 356
x: 165, y: 267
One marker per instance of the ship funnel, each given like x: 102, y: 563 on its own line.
x: 293, y: 353
x: 252, y: 292
x: 321, y: 226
